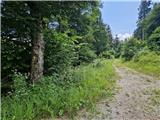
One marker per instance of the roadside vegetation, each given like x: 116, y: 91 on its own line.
x: 49, y: 58
x: 155, y: 99
x: 153, y: 102
x: 148, y: 63
x: 51, y: 97
x: 142, y: 51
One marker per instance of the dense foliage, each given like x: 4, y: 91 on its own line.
x: 46, y: 49
x: 154, y: 41
x: 131, y: 47
x: 73, y: 33
x: 49, y: 98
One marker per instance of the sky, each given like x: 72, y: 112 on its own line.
x: 121, y: 16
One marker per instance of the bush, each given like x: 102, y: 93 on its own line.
x: 154, y: 41
x: 131, y: 47
x: 48, y: 98
x: 59, y: 52
x: 20, y: 84
x: 146, y: 57
x: 86, y: 54
x: 15, y: 57
x: 108, y: 54
x: 143, y: 52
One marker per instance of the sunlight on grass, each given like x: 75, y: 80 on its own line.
x: 148, y: 64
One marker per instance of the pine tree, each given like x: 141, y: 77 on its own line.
x: 143, y: 9
x: 116, y: 46
x: 109, y: 34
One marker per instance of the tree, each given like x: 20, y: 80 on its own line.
x: 31, y: 17
x: 16, y: 40
x: 101, y: 37
x: 37, y: 41
x: 152, y: 20
x: 24, y: 22
x: 144, y: 9
x: 116, y: 46
x: 110, y: 37
x: 154, y: 40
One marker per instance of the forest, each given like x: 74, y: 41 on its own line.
x: 59, y: 57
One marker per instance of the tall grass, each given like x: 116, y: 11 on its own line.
x: 148, y: 63
x: 155, y: 98
x: 87, y: 84
x: 154, y: 101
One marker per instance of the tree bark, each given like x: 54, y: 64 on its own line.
x: 37, y: 53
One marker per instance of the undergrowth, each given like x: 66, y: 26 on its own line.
x: 58, y: 95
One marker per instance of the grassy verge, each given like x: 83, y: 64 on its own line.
x: 154, y: 101
x: 146, y: 63
x: 87, y: 84
x: 148, y: 68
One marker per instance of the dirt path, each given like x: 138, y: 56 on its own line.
x: 131, y: 102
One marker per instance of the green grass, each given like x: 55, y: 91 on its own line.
x: 146, y: 63
x: 48, y: 99
x: 153, y: 103
x: 155, y: 99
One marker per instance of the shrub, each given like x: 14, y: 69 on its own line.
x: 154, y: 40
x: 49, y: 98
x: 131, y: 47
x: 139, y: 54
x: 86, y: 54
x: 148, y: 57
x: 108, y: 54
x: 59, y: 52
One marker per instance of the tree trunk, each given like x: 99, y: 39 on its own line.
x: 37, y: 53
